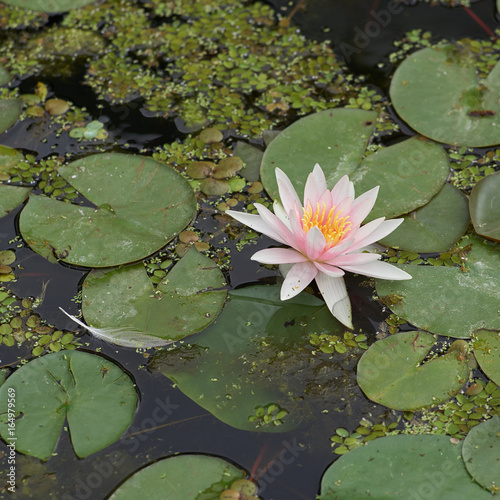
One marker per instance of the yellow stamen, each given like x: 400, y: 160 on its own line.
x: 331, y: 224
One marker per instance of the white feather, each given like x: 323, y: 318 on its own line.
x: 122, y: 336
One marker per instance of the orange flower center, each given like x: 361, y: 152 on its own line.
x: 331, y: 224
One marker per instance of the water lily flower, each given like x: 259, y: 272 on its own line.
x: 324, y: 238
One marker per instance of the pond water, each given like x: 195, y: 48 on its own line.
x: 286, y: 465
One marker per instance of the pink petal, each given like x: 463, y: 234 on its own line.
x: 335, y: 294
x: 278, y: 256
x: 372, y: 235
x: 332, y: 271
x: 379, y: 270
x: 297, y: 231
x: 353, y: 259
x: 341, y: 190
x: 288, y: 195
x: 297, y: 279
x: 275, y: 223
x: 257, y: 223
x: 315, y: 243
x: 315, y: 186
x: 279, y: 211
x: 362, y: 206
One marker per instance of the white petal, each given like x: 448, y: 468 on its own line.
x: 285, y: 269
x: 288, y: 195
x: 335, y: 294
x: 381, y: 231
x: 353, y: 259
x: 379, y: 270
x: 275, y: 222
x: 257, y: 223
x: 278, y: 256
x: 279, y: 211
x: 299, y: 276
x: 329, y: 270
x: 315, y: 185
x: 341, y: 190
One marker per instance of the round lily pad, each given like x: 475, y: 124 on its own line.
x: 8, y: 158
x: 183, y: 477
x: 436, y: 226
x: 437, y: 92
x: 335, y: 138
x: 481, y: 453
x: 391, y: 372
x: 452, y: 301
x: 95, y: 396
x: 485, y: 207
x: 49, y: 5
x: 409, y: 173
x: 397, y: 467
x: 10, y: 109
x: 224, y: 370
x: 487, y: 352
x: 186, y: 301
x: 141, y: 204
x: 11, y: 197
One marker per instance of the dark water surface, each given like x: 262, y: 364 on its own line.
x: 288, y: 471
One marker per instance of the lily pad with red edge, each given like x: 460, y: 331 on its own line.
x: 401, y: 467
x: 11, y: 197
x: 183, y: 477
x: 436, y: 226
x: 409, y: 173
x: 438, y: 93
x: 225, y: 369
x: 451, y: 301
x: 485, y: 207
x: 49, y: 5
x: 187, y: 300
x: 140, y: 205
x: 487, y: 352
x: 392, y: 371
x: 481, y: 454
x: 94, y: 395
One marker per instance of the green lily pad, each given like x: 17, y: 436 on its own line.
x: 142, y: 204
x: 335, y: 138
x: 49, y: 5
x: 436, y: 226
x: 397, y: 467
x: 10, y: 110
x: 450, y: 300
x: 391, y: 372
x: 253, y: 329
x: 485, y: 207
x: 95, y: 396
x: 481, y: 453
x: 187, y: 300
x: 184, y: 477
x: 11, y: 197
x: 8, y: 158
x: 252, y: 158
x: 409, y: 173
x: 437, y: 92
x: 5, y: 76
x: 487, y: 352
